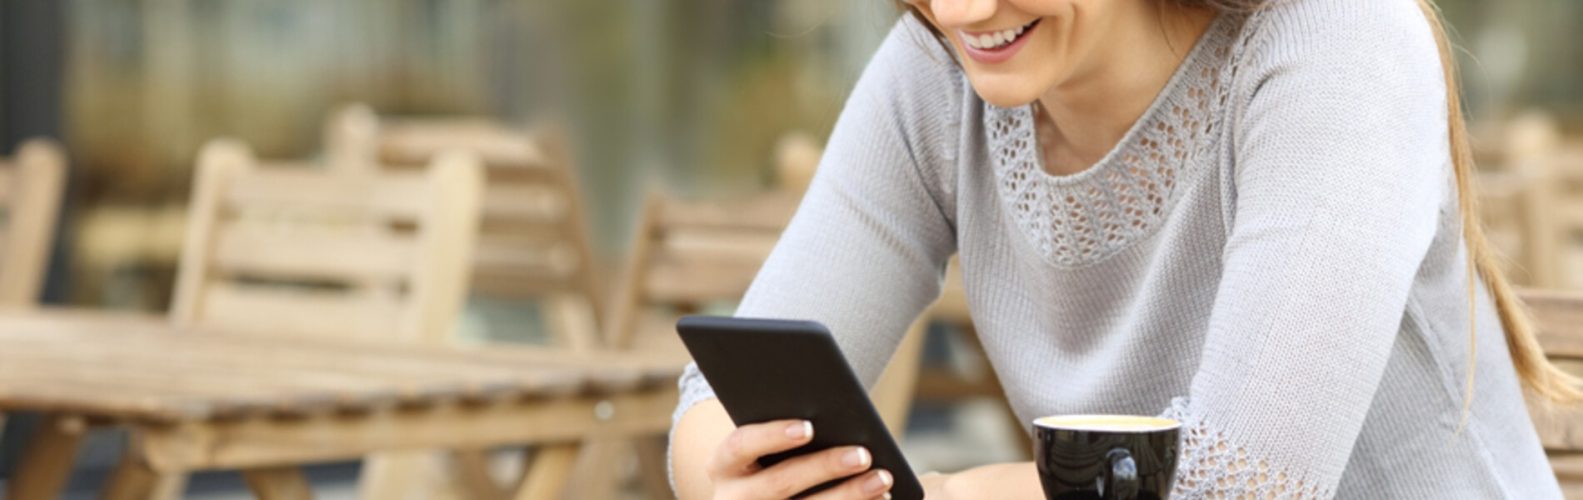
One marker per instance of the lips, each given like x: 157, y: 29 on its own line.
x: 991, y: 47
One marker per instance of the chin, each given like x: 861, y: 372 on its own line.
x: 1007, y: 90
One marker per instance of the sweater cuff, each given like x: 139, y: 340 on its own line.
x: 1213, y: 465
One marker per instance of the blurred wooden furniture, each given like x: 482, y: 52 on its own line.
x: 533, y: 245
x: 30, y: 191
x: 292, y: 251
x: 202, y: 397
x: 1558, y: 315
x: 1532, y: 202
x: 689, y: 256
x: 797, y: 157
x: 295, y: 251
x: 533, y: 241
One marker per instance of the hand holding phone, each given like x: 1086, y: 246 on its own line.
x: 772, y: 375
x: 737, y: 475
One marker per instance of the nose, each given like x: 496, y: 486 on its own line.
x: 962, y: 12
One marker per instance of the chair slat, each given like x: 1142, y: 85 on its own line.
x: 553, y: 260
x: 308, y: 252
x: 698, y: 283
x: 397, y: 196
x: 1560, y: 427
x: 769, y: 212
x: 535, y: 202
x: 711, y: 244
x: 293, y: 311
x: 416, y: 142
x: 1558, y: 317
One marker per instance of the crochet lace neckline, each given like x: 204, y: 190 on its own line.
x: 1083, y: 218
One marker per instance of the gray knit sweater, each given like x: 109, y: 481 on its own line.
x: 1271, y: 255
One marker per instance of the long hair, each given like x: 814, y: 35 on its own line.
x: 1538, y: 375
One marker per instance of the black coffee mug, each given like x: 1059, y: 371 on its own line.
x: 1105, y: 457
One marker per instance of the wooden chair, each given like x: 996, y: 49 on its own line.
x: 533, y: 245
x: 533, y: 241
x: 1532, y: 203
x: 298, y: 252
x: 30, y: 189
x: 1558, y: 315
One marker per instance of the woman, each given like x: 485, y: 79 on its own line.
x: 1252, y: 216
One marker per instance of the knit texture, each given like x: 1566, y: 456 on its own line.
x: 1272, y: 256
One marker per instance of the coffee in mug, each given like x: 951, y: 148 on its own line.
x: 1108, y: 457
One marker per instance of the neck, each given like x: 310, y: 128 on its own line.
x: 1093, y: 109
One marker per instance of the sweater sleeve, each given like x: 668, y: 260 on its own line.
x: 1341, y: 166
x: 865, y: 252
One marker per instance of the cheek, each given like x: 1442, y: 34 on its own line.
x: 1047, y: 7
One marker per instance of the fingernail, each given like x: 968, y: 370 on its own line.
x: 799, y: 430
x: 858, y: 457
x: 879, y: 482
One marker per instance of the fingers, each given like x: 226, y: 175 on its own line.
x: 799, y: 473
x: 742, y: 448
x: 872, y: 484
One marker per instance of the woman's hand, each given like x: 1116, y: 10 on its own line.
x: 736, y: 474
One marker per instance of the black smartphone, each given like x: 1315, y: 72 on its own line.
x: 764, y: 369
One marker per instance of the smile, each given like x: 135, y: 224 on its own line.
x: 995, y: 40
x: 996, y: 46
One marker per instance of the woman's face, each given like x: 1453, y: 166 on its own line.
x: 1015, y: 50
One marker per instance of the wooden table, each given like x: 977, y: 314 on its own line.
x: 206, y: 399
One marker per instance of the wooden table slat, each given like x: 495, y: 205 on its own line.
x: 140, y: 367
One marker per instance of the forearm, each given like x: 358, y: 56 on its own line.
x: 698, y: 433
x: 1011, y: 481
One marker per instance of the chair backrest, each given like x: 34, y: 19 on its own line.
x: 533, y: 241
x: 300, y: 251
x: 687, y: 256
x: 30, y: 190
x: 1558, y: 316
x: 1532, y: 203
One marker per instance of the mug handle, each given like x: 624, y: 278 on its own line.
x: 1119, y: 480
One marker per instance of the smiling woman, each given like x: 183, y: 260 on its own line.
x: 1251, y: 217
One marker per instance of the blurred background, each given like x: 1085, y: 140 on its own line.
x: 695, y: 99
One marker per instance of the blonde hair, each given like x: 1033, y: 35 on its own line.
x: 1535, y: 371
x: 1538, y: 375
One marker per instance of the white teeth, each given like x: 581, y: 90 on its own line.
x: 993, y: 40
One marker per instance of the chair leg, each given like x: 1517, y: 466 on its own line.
x: 653, y: 469
x: 596, y: 474
x: 133, y: 479
x: 893, y: 392
x: 473, y: 474
x: 410, y: 475
x: 278, y: 483
x: 47, y: 461
x: 548, y: 473
x: 570, y: 318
